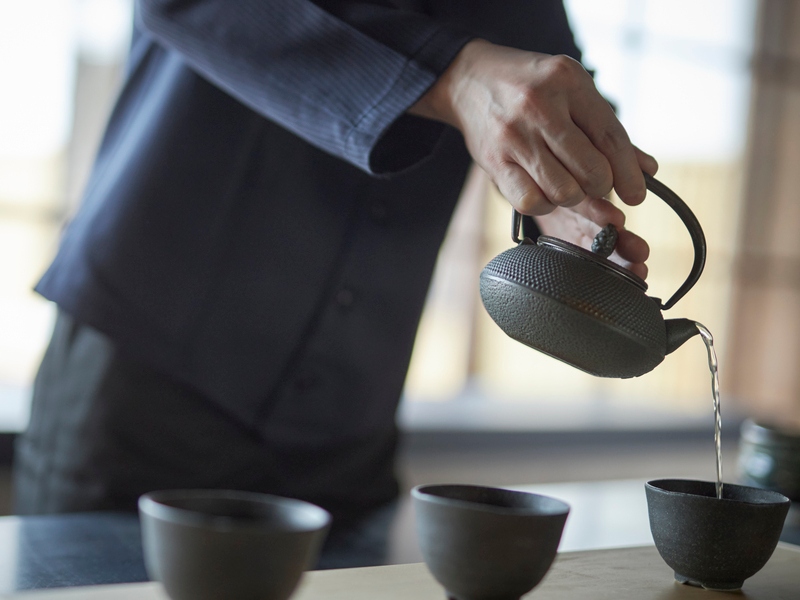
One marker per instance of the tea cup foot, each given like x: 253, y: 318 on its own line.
x: 454, y: 597
x: 719, y: 586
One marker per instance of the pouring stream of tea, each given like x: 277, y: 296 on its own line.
x: 708, y: 339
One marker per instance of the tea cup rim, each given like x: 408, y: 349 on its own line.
x: 778, y: 499
x: 420, y: 493
x: 155, y: 504
x: 759, y: 431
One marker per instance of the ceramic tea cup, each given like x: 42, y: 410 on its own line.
x: 215, y: 544
x: 769, y: 457
x: 484, y: 543
x: 709, y: 542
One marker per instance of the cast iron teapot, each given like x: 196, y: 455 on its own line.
x: 583, y: 309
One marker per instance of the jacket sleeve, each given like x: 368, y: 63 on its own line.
x: 339, y: 74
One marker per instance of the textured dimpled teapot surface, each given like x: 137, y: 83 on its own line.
x: 581, y: 285
x: 564, y: 305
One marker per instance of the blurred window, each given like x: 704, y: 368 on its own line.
x: 677, y: 72
x: 60, y: 62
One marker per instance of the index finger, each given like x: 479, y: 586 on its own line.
x: 602, y: 127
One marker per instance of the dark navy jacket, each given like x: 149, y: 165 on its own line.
x: 263, y: 218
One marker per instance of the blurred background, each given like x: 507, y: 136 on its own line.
x: 709, y: 87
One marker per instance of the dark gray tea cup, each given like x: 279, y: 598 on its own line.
x: 215, y: 544
x: 714, y: 543
x: 483, y: 543
x: 769, y: 458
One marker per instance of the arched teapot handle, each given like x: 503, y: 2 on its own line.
x: 695, y: 231
x: 686, y: 215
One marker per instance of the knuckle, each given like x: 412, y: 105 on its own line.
x: 561, y: 64
x: 531, y: 102
x: 523, y: 195
x: 566, y: 194
x: 489, y: 156
x: 613, y: 140
x: 532, y: 203
x: 507, y: 130
x: 504, y: 171
x: 564, y: 69
x: 597, y: 178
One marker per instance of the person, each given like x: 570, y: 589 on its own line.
x: 239, y: 292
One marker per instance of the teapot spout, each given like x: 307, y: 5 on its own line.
x: 678, y: 331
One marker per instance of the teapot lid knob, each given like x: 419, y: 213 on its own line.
x: 605, y: 241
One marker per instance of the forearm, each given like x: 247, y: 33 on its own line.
x: 341, y: 75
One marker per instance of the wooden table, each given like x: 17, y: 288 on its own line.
x: 616, y: 574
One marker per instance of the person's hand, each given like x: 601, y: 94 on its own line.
x: 543, y: 133
x: 538, y: 126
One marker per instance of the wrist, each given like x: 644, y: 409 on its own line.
x: 440, y: 102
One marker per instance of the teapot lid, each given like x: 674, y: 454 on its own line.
x: 606, y: 245
x: 596, y: 258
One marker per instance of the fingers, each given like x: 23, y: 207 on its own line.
x: 638, y: 269
x: 556, y: 182
x: 632, y: 248
x: 581, y: 223
x: 542, y: 114
x: 539, y: 180
x: 606, y: 156
x: 589, y: 168
x: 574, y: 145
x: 600, y: 212
x: 647, y: 163
x: 565, y: 172
x: 596, y: 119
x: 550, y: 142
x: 521, y: 191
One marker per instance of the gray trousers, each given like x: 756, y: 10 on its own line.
x: 105, y: 429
